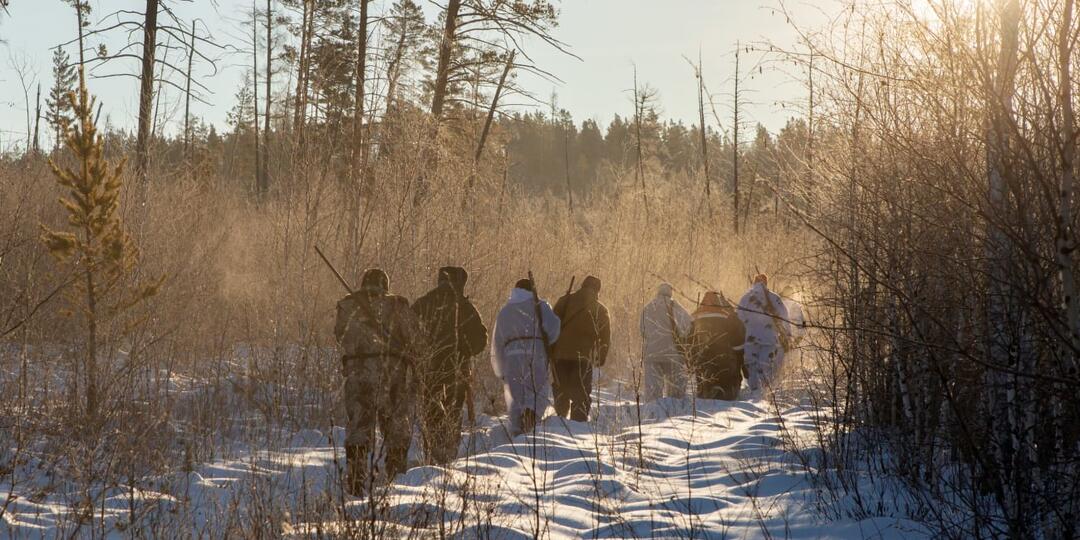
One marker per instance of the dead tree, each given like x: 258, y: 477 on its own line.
x: 307, y: 30
x: 475, y: 32
x: 264, y: 171
x: 640, y: 99
x: 146, y: 90
x: 704, y: 135
x: 359, y: 143
x: 187, y: 99
x: 438, y: 95
x: 255, y: 86
x: 566, y: 165
x: 735, y: 146
x: 491, y: 110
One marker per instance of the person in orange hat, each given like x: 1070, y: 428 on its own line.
x: 717, y: 337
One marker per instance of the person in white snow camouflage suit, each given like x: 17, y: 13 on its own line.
x: 765, y: 317
x: 380, y: 339
x: 665, y: 327
x: 519, y: 358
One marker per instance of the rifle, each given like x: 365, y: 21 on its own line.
x: 569, y: 289
x: 366, y: 308
x: 540, y: 317
x: 334, y: 270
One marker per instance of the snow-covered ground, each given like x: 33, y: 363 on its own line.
x: 726, y: 471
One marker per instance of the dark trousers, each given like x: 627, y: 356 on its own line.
x: 441, y: 429
x: 726, y: 388
x: 571, y: 384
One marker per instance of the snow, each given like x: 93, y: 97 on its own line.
x: 689, y: 468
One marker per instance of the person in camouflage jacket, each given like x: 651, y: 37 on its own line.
x: 380, y: 339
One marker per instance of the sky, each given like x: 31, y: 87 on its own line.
x: 610, y: 37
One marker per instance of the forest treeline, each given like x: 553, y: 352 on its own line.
x: 310, y: 91
x: 539, y: 154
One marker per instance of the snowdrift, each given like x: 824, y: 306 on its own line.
x: 669, y: 469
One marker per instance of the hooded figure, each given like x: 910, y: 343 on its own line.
x: 456, y: 333
x: 584, y: 340
x: 665, y: 325
x: 380, y: 339
x: 766, y: 320
x: 717, y: 337
x: 518, y: 356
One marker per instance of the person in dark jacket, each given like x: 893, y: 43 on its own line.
x: 717, y: 337
x: 584, y: 339
x: 380, y: 339
x: 456, y: 333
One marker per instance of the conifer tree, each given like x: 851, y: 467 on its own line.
x: 94, y: 243
x: 58, y: 108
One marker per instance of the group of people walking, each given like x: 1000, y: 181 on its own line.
x: 720, y: 344
x: 540, y: 353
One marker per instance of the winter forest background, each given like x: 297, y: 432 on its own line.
x: 169, y: 326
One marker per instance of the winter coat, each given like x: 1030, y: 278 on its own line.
x: 764, y: 315
x: 518, y: 356
x: 455, y: 331
x: 657, y: 319
x: 376, y: 324
x: 585, y: 329
x: 797, y: 326
x: 716, y: 339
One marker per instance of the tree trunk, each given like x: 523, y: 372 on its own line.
x: 91, y: 368
x: 393, y: 69
x: 704, y: 136
x: 735, y: 145
x: 492, y: 109
x: 37, y: 121
x: 1003, y: 308
x: 264, y: 174
x: 438, y: 97
x: 255, y: 86
x: 1066, y: 235
x: 566, y: 165
x: 810, y: 125
x: 146, y: 91
x: 359, y: 144
x: 442, y: 73
x: 639, y: 110
x: 300, y: 110
x: 187, y: 100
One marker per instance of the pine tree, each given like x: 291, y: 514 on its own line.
x: 94, y: 244
x: 58, y: 108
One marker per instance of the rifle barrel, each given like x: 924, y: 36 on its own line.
x: 540, y: 317
x: 334, y: 270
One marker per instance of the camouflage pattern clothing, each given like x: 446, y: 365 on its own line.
x: 766, y: 320
x: 380, y: 338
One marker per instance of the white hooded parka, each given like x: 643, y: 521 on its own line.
x: 518, y: 357
x: 765, y: 317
